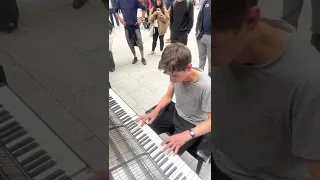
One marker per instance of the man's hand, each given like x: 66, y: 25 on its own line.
x: 139, y: 21
x: 151, y: 117
x: 174, y: 142
x: 122, y: 21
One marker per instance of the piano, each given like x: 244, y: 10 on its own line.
x: 29, y: 149
x: 146, y: 145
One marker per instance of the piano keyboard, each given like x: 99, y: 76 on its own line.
x: 172, y: 166
x: 42, y: 154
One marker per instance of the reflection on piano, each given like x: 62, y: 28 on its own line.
x: 135, y: 152
x: 28, y: 148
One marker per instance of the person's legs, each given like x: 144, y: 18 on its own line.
x: 110, y: 16
x: 161, y: 42
x: 291, y: 11
x: 202, y: 51
x: 315, y: 28
x: 207, y: 42
x: 155, y: 38
x: 131, y: 46
x: 183, y: 38
x: 140, y: 45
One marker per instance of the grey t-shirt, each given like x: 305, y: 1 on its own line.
x: 266, y: 120
x: 193, y: 99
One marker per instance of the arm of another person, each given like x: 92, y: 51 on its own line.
x: 305, y: 125
x: 164, y: 17
x: 117, y: 8
x: 190, y: 17
x: 151, y: 15
x: 143, y: 8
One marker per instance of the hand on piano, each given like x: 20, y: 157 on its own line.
x: 151, y: 117
x: 174, y: 142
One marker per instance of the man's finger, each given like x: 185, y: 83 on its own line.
x: 170, y: 149
x: 165, y: 141
x: 176, y: 150
x: 166, y: 147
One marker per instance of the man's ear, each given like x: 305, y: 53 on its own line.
x: 253, y: 18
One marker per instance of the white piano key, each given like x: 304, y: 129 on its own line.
x: 46, y: 173
x: 16, y: 141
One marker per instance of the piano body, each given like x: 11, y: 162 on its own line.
x: 135, y: 152
x: 29, y: 149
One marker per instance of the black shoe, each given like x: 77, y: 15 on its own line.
x: 135, y: 60
x: 315, y: 41
x: 144, y: 62
x: 77, y: 4
x: 209, y: 74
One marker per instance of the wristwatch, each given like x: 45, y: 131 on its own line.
x: 192, y: 134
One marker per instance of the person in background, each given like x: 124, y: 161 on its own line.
x: 112, y: 4
x: 77, y: 4
x: 203, y: 34
x: 168, y: 5
x: 291, y: 13
x: 129, y: 9
x: 181, y: 20
x: 159, y: 18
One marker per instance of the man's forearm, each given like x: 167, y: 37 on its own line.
x: 165, y: 100
x: 118, y: 16
x: 143, y: 14
x: 201, y: 129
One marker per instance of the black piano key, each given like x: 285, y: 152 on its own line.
x: 184, y: 178
x: 120, y: 112
x: 33, y: 157
x: 161, y: 157
x: 21, y: 144
x: 11, y: 131
x: 14, y: 136
x: 142, y: 136
x: 64, y: 178
x: 163, y: 161
x: 54, y: 175
x: 179, y: 175
x: 126, y: 121
x: 153, y: 149
x: 8, y: 126
x: 148, y: 148
x: 172, y: 171
x: 124, y: 118
x: 158, y: 154
x: 135, y: 131
x: 25, y: 149
x: 133, y: 126
x: 5, y: 118
x: 116, y: 108
x: 136, y: 134
x: 146, y: 142
x: 142, y: 140
x: 42, y: 168
x: 37, y: 163
x: 168, y: 167
x: 3, y: 113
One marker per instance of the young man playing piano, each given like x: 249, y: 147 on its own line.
x: 190, y: 117
x: 266, y: 98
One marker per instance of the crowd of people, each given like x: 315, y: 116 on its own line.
x: 176, y: 17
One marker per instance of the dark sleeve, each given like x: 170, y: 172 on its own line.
x: 305, y: 124
x: 117, y: 8
x: 140, y: 5
x: 190, y: 17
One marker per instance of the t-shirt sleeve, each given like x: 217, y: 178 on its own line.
x: 206, y: 101
x: 305, y: 125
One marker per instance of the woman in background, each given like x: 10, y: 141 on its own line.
x: 159, y: 19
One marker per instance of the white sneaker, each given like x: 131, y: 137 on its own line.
x: 160, y: 53
x: 151, y: 53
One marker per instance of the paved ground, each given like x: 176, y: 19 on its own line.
x: 57, y: 63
